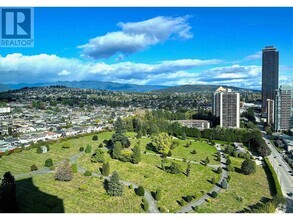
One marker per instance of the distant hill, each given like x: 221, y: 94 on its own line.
x: 200, y: 88
x: 3, y: 88
x: 98, y: 85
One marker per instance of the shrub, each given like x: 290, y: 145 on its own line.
x: 219, y: 170
x: 169, y: 153
x: 98, y: 156
x: 224, y: 184
x: 39, y: 150
x: 163, y: 209
x: 188, y: 198
x: 241, y: 155
x: 95, y: 138
x: 207, y: 160
x: 139, y: 191
x: 213, y: 180
x: 230, y: 168
x: 228, y: 178
x: 74, y: 168
x: 235, y: 154
x: 130, y: 186
x: 145, y: 204
x: 208, y: 200
x: 17, y: 150
x: 64, y: 172
x: 193, y: 152
x: 184, y: 160
x: 175, y: 168
x: 248, y: 167
x: 106, y: 169
x: 228, y: 161
x: 88, y: 149
x: 101, y: 145
x: 195, y: 208
x: 214, y: 194
x: 34, y: 167
x: 182, y: 202
x: 66, y: 146
x: 81, y: 149
x: 158, y: 195
x: 229, y: 149
x: 87, y: 173
x: 49, y: 162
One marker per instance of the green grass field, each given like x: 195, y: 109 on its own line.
x: 252, y: 188
x: 81, y: 195
x: 21, y: 162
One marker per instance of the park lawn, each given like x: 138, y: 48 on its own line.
x: 203, y: 150
x: 149, y: 174
x: 21, y: 162
x: 81, y: 195
x: 252, y: 188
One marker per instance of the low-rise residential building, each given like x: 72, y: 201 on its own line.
x: 199, y: 124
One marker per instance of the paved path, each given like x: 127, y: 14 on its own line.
x: 216, y: 188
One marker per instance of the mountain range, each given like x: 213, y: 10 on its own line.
x: 112, y: 86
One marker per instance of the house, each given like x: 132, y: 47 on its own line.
x: 12, y: 141
x: 51, y: 135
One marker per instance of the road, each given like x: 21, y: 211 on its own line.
x: 216, y: 188
x: 282, y: 170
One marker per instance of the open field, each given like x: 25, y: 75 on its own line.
x: 251, y: 188
x: 81, y: 195
x: 21, y: 162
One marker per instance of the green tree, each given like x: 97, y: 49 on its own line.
x: 213, y: 180
x: 158, y: 194
x: 139, y: 191
x: 188, y: 170
x: 145, y: 204
x: 183, y: 137
x: 248, y: 167
x: 98, y: 156
x: 219, y: 170
x: 106, y: 169
x: 162, y: 142
x: 119, y: 126
x: 119, y: 137
x: 163, y: 162
x: 228, y: 161
x: 113, y: 186
x: 34, y: 167
x: 169, y: 153
x: 136, y: 156
x: 175, y: 168
x: 74, y: 168
x: 39, y: 150
x: 88, y: 149
x: 224, y: 184
x: 207, y: 160
x: 64, y: 172
x: 95, y: 138
x: 117, y: 151
x: 49, y: 162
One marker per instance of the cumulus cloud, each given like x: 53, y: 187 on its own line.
x: 255, y: 56
x: 136, y: 36
x: 18, y: 68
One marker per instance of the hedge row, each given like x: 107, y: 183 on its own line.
x: 277, y: 185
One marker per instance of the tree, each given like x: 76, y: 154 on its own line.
x: 95, y: 138
x: 230, y: 168
x: 188, y: 170
x: 87, y: 173
x: 248, y: 167
x: 169, y: 153
x: 49, y: 162
x: 101, y: 145
x: 214, y: 194
x: 229, y: 149
x: 139, y: 191
x: 219, y: 156
x: 183, y: 137
x: 64, y: 172
x: 207, y: 160
x: 145, y: 204
x: 117, y: 151
x: 34, y: 167
x: 175, y: 168
x: 158, y: 195
x: 113, y: 186
x: 136, y: 155
x: 74, y: 168
x: 119, y: 137
x: 162, y: 142
x: 119, y: 126
x: 8, y: 202
x: 39, y: 150
x: 219, y: 170
x: 88, y: 149
x: 213, y: 180
x: 224, y: 184
x: 193, y: 152
x: 98, y: 156
x: 228, y: 161
x: 106, y: 169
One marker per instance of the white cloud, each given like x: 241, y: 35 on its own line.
x: 64, y: 73
x: 255, y: 56
x: 136, y: 36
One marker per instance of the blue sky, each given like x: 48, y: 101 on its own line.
x: 166, y: 46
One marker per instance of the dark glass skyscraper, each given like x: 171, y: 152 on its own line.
x: 270, y: 75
